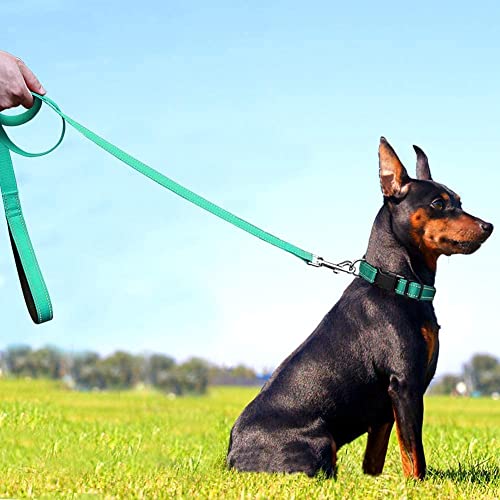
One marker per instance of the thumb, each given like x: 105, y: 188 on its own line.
x: 31, y: 80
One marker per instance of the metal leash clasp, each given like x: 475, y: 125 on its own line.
x: 346, y: 266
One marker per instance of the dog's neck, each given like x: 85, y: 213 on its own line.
x: 387, y: 253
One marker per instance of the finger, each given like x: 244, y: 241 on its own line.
x: 24, y: 95
x: 31, y: 80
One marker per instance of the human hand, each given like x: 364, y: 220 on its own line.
x: 16, y: 81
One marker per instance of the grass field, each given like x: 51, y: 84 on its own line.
x: 143, y: 444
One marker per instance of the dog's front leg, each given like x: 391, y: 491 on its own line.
x: 376, y: 448
x: 408, y: 407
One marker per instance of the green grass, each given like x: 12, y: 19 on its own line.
x: 142, y: 444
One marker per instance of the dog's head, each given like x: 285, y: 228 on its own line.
x: 427, y: 216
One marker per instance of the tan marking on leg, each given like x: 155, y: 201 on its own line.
x: 430, y: 335
x: 409, y: 458
x: 406, y: 455
x: 334, y: 455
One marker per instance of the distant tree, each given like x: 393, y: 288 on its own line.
x: 3, y: 364
x: 159, y: 368
x: 85, y: 370
x: 46, y: 363
x: 238, y: 375
x: 483, y: 373
x: 242, y: 371
x: 170, y: 382
x: 121, y: 370
x: 17, y: 360
x: 193, y: 375
x: 445, y: 385
x: 483, y: 363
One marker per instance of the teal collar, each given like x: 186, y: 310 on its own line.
x: 396, y: 283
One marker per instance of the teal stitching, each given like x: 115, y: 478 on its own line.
x: 403, y: 283
x: 415, y: 294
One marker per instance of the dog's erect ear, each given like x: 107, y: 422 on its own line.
x: 394, y: 179
x: 423, y: 170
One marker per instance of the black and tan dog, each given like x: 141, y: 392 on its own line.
x: 370, y: 360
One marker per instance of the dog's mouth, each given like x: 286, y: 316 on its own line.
x: 461, y: 246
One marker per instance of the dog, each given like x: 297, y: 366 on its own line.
x: 372, y: 357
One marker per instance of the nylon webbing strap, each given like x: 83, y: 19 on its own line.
x: 395, y: 283
x: 30, y: 276
x: 31, y: 279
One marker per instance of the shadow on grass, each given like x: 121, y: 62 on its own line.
x: 480, y: 473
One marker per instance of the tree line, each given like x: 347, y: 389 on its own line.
x: 122, y: 370
x: 479, y: 377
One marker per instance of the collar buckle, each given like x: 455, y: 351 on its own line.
x: 386, y: 280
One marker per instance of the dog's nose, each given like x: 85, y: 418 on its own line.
x: 486, y: 227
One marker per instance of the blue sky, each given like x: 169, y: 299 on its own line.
x: 274, y: 111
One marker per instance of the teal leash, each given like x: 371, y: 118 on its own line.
x: 30, y: 276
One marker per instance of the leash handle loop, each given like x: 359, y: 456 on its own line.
x: 31, y: 279
x: 21, y: 118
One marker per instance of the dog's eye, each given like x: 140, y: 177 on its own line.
x: 438, y: 204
